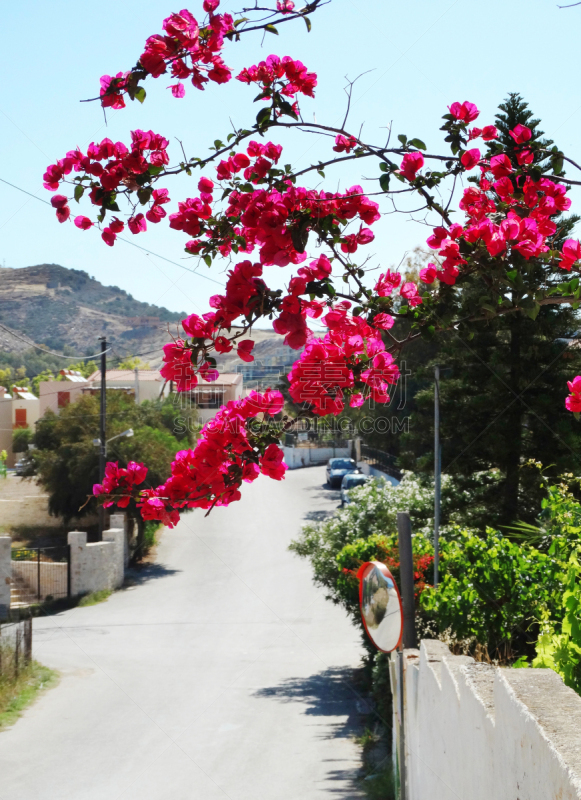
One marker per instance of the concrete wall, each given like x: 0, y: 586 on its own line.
x: 5, y: 575
x: 120, y: 521
x: 296, y: 457
x: 49, y: 390
x: 480, y: 732
x: 376, y: 473
x: 99, y: 565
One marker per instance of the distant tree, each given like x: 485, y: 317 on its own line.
x: 21, y: 438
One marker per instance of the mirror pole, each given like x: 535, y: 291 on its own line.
x: 402, y: 758
x: 406, y: 579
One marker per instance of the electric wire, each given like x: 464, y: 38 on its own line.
x: 126, y: 241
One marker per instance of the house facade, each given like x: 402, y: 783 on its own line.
x: 19, y: 409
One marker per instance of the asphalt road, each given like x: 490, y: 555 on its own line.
x: 222, y: 673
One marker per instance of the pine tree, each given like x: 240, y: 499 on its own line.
x: 504, y: 380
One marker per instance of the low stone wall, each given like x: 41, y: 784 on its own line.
x: 376, y: 473
x: 480, y: 732
x: 99, y: 565
x: 296, y: 457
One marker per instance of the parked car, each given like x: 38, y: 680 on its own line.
x: 24, y: 466
x: 337, y: 468
x: 350, y: 481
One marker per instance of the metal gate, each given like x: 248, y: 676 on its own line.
x: 39, y: 575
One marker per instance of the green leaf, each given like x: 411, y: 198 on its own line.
x: 383, y: 167
x: 384, y: 182
x: 79, y: 191
x: 308, y: 23
x: 271, y: 29
x: 140, y: 94
x: 208, y: 260
x: 144, y: 195
x: 240, y: 21
x: 533, y: 312
x: 403, y: 138
x: 418, y: 144
x: 230, y: 136
x: 262, y: 116
x: 218, y: 144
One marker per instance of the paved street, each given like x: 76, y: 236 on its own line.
x: 223, y: 673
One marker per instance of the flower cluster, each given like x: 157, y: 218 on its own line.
x: 105, y: 167
x: 349, y: 362
x: 186, y: 50
x: 226, y: 454
x: 527, y: 204
x: 118, y: 483
x: 287, y: 76
x: 278, y: 221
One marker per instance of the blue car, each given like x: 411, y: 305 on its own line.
x: 337, y: 468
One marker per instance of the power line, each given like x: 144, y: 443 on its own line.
x: 49, y: 352
x: 126, y: 241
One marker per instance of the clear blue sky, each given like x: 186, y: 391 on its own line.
x: 424, y: 54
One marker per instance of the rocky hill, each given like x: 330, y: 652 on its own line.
x: 66, y: 309
x: 61, y: 307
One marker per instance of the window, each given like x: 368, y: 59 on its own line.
x: 20, y: 418
x: 64, y: 398
x: 209, y: 398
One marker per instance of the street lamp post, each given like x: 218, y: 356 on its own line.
x: 437, y: 474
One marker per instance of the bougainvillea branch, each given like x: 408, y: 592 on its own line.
x: 253, y: 210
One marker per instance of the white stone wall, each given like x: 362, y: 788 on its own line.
x: 480, y: 732
x: 5, y: 575
x: 296, y: 457
x: 99, y: 565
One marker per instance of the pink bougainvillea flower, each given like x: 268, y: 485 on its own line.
x: 178, y: 89
x: 244, y: 350
x: 500, y: 165
x: 412, y: 162
x: 137, y: 224
x: 383, y: 321
x: 272, y: 464
x: 387, y: 283
x: 84, y: 223
x: 285, y: 6
x: 571, y: 253
x: 489, y: 133
x: 470, y: 158
x: 521, y: 134
x: 410, y: 292
x: 465, y: 112
x: 428, y: 274
x: 573, y: 402
x: 108, y: 236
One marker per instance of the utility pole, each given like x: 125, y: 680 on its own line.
x: 102, y: 427
x: 437, y: 474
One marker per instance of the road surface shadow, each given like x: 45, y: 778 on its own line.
x: 329, y: 693
x: 141, y: 573
x: 318, y: 516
